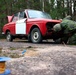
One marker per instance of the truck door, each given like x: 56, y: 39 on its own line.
x: 13, y: 23
x: 20, y: 26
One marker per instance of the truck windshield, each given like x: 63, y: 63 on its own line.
x: 38, y: 14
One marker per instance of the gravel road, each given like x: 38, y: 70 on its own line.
x: 24, y: 43
x: 49, y: 59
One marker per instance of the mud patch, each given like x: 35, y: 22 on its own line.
x: 31, y: 53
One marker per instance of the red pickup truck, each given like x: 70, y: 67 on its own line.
x: 32, y: 24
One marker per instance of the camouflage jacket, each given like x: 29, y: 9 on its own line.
x: 68, y: 26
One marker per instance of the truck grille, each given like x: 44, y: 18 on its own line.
x: 49, y: 26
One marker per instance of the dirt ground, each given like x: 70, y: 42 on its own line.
x: 46, y: 58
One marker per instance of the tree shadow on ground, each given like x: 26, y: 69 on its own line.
x: 43, y: 42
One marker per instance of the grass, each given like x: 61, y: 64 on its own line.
x: 12, y: 48
x: 0, y: 50
x: 11, y: 55
x: 14, y: 55
x: 2, y: 36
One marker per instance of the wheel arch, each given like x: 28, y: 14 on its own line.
x: 34, y: 26
x: 7, y: 31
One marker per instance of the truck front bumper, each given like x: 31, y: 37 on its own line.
x: 3, y: 33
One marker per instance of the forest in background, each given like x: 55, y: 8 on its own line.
x: 58, y: 9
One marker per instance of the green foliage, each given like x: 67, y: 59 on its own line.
x: 47, y: 7
x: 0, y: 50
x: 59, y: 11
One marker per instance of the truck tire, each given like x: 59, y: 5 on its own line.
x: 9, y: 37
x: 36, y: 36
x: 29, y: 38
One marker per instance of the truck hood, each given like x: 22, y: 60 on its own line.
x: 45, y: 20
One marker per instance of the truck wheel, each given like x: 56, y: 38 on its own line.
x: 9, y: 37
x: 29, y: 38
x: 36, y: 36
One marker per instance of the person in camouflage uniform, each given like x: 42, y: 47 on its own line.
x: 68, y: 27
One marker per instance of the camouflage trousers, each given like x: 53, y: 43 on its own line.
x: 72, y: 40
